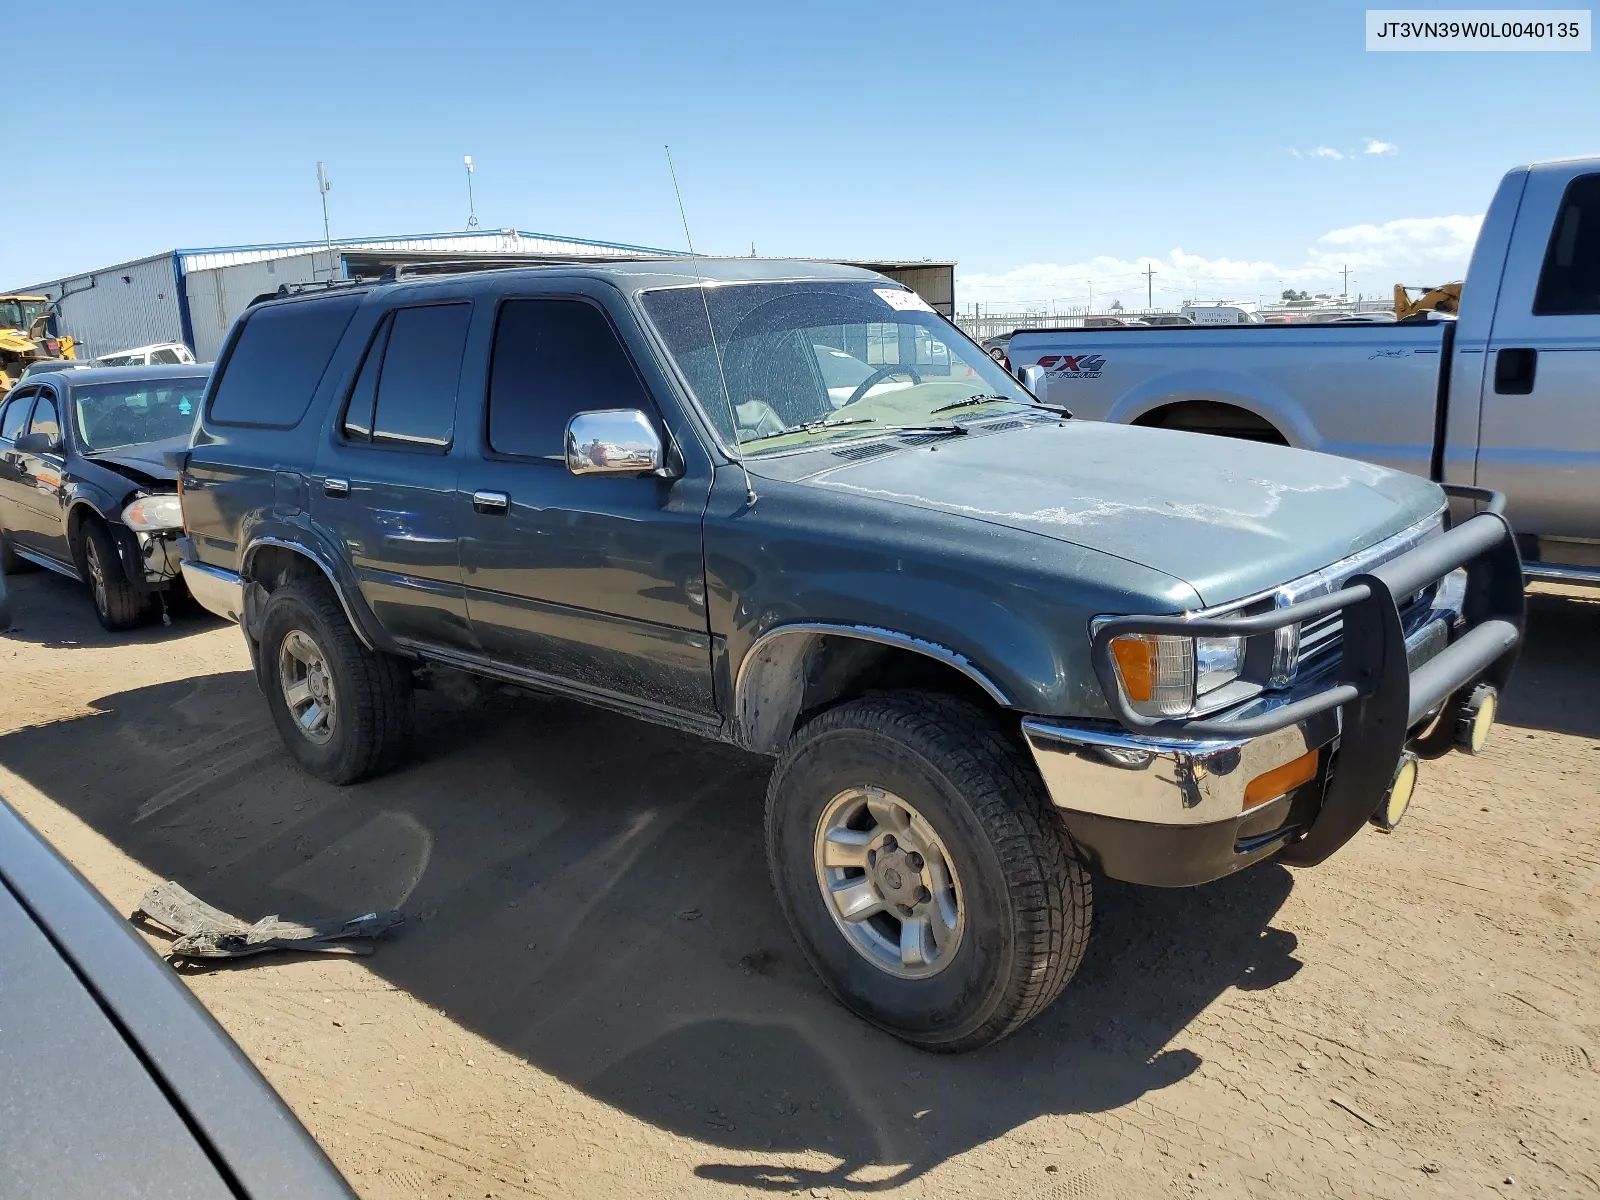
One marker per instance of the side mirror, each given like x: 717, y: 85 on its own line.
x: 613, y: 441
x: 1033, y: 379
x: 38, y: 443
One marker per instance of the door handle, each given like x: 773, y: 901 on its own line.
x: 493, y: 504
x: 1514, y: 370
x: 337, y: 488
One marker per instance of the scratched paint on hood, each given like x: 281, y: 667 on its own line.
x: 1227, y: 517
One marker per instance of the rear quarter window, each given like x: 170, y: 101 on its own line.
x: 277, y: 361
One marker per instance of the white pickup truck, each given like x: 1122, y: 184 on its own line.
x: 1505, y: 397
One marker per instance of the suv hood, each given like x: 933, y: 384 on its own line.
x: 1229, y: 518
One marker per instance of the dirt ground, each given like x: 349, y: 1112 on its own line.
x: 594, y: 994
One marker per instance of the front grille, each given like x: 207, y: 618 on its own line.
x: 1320, y: 639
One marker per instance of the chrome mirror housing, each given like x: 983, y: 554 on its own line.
x: 613, y: 441
x: 1032, y: 378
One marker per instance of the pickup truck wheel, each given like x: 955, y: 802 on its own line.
x: 117, y: 603
x: 915, y: 856
x: 342, y: 710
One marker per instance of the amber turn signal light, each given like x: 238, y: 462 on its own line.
x: 1276, y: 782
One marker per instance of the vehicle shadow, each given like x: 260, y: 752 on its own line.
x: 1553, y: 686
x: 589, y: 893
x: 53, y: 611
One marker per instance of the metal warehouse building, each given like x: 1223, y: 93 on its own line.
x: 194, y: 296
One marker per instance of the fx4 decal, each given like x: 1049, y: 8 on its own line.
x: 1073, y: 366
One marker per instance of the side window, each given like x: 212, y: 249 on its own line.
x: 165, y: 357
x: 277, y: 361
x: 1569, y: 283
x: 44, y: 417
x: 358, y: 413
x: 15, y: 419
x: 415, y: 396
x: 553, y: 359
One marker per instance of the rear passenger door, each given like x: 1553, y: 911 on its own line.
x: 388, y: 482
x: 595, y: 581
x: 1539, y: 433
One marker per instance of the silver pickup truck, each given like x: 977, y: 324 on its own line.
x: 1506, y: 397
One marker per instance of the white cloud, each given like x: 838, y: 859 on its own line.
x: 1410, y: 250
x: 1374, y: 146
x: 1327, y: 152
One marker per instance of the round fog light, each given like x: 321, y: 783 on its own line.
x: 1476, y: 719
x: 1399, y: 796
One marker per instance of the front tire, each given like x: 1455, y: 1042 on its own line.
x: 915, y: 856
x: 117, y: 603
x: 342, y: 710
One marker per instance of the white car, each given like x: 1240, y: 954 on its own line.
x: 157, y: 354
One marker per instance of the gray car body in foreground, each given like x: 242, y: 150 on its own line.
x: 114, y: 1080
x: 1503, y: 398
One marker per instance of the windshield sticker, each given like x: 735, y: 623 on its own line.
x: 901, y: 300
x: 1073, y: 366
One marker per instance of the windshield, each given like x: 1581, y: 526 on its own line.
x: 813, y: 361
x: 136, y: 411
x: 19, y: 314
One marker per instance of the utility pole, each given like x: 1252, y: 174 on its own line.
x: 1149, y: 285
x: 472, y: 208
x: 327, y: 236
x: 1346, y: 292
x: 1090, y: 282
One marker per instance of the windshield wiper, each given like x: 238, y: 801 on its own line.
x: 986, y: 398
x: 819, y: 423
x: 951, y: 427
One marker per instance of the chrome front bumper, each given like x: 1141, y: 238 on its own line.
x: 1163, y: 801
x: 1161, y: 781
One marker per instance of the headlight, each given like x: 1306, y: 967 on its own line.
x: 154, y: 514
x: 1170, y: 675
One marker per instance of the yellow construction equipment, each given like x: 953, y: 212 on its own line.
x: 1446, y: 298
x: 25, y: 337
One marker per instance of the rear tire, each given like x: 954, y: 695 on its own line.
x: 118, y: 604
x: 950, y: 779
x: 344, y: 712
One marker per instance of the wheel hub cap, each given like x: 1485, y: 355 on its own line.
x: 307, y: 685
x: 888, y: 883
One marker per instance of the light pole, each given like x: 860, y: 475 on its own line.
x: 327, y: 237
x: 1090, y: 282
x: 472, y: 208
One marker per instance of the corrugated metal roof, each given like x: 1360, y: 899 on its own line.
x: 488, y: 241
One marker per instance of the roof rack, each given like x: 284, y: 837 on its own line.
x: 459, y: 266
x: 315, y: 285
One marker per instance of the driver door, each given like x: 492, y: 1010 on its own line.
x: 40, y: 518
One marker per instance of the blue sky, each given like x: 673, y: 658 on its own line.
x: 1034, y: 144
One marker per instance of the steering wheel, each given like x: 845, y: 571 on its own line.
x: 881, y: 373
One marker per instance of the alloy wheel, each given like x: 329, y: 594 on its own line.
x: 307, y: 684
x: 888, y: 882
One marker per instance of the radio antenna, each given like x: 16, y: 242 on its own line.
x: 716, y: 350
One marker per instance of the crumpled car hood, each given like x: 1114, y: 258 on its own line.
x: 1227, y: 517
x: 146, y: 459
